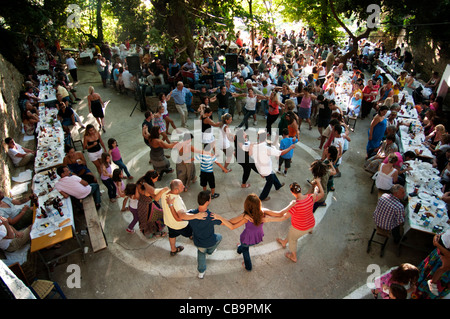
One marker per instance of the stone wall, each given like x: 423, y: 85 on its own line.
x: 10, y: 120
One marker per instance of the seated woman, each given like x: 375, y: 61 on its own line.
x: 428, y: 121
x: 435, y: 137
x: 387, y: 147
x: 443, y: 145
x: 66, y: 117
x: 387, y: 175
x: 29, y: 121
x: 76, y: 162
x: 354, y: 105
x: 401, y: 166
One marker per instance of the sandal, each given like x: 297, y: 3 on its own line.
x: 289, y: 256
x: 215, y: 195
x: 179, y: 249
x: 245, y: 185
x: 131, y: 231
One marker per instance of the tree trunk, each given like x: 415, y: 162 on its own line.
x: 99, y: 22
x: 176, y: 23
x: 355, y: 39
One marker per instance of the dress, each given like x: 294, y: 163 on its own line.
x: 158, y: 159
x: 427, y: 268
x: 377, y: 136
x: 159, y: 121
x: 150, y: 215
x: 97, y: 109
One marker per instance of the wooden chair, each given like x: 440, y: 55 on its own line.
x: 353, y: 119
x: 42, y: 289
x: 382, y: 233
x: 188, y: 77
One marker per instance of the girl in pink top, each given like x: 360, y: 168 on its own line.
x: 117, y: 177
x: 117, y: 157
x: 106, y: 176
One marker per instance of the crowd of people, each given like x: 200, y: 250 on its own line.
x: 284, y: 78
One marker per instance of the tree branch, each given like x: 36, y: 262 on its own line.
x: 342, y: 24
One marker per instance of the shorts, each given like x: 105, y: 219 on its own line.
x: 95, y: 156
x: 207, y: 178
x: 323, y: 122
x: 186, y: 232
x: 66, y: 122
x: 165, y: 115
x: 286, y: 161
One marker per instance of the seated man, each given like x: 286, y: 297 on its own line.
x: 390, y: 212
x: 20, y: 156
x: 128, y: 80
x: 18, y: 217
x: 72, y: 185
x: 11, y: 239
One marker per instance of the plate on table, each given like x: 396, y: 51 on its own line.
x: 425, y: 196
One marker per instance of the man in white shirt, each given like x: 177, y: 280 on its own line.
x: 296, y: 68
x: 72, y: 66
x: 72, y: 185
x: 18, y: 216
x: 11, y: 239
x: 115, y: 51
x: 128, y: 80
x: 20, y: 156
x: 262, y: 154
x: 174, y: 215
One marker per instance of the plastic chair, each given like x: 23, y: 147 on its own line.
x: 42, y: 289
x: 382, y: 233
x: 75, y: 132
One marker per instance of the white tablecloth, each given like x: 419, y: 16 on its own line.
x: 433, y: 210
x: 413, y: 141
x: 50, y: 145
x: 53, y: 222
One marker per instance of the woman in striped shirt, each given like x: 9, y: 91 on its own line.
x: 302, y: 217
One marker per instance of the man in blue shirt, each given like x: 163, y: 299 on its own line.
x: 189, y: 100
x: 205, y: 239
x: 179, y: 97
